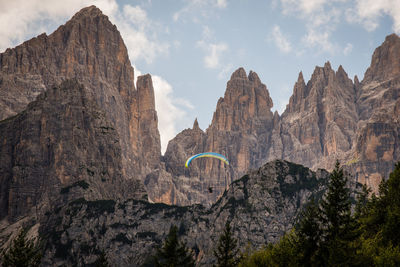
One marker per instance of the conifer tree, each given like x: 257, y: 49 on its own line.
x: 338, y: 225
x: 308, y: 235
x: 22, y: 252
x: 102, y: 260
x: 227, y: 251
x: 173, y: 253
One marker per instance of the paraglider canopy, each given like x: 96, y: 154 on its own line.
x: 206, y: 154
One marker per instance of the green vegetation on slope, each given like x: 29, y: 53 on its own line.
x: 328, y: 234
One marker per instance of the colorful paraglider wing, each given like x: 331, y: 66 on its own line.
x: 206, y: 154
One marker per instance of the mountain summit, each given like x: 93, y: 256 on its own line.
x: 89, y: 49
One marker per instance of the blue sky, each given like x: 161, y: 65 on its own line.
x: 191, y: 47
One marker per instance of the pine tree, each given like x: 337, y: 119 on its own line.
x: 22, y: 252
x: 308, y: 234
x: 338, y: 225
x: 173, y: 253
x: 102, y: 260
x: 227, y: 251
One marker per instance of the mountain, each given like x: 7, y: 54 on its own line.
x: 89, y: 49
x: 328, y: 118
x: 80, y: 156
x: 45, y: 160
x: 260, y: 206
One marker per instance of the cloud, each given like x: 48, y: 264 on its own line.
x: 305, y: 7
x: 280, y: 40
x: 222, y: 3
x: 347, y: 50
x: 368, y: 13
x: 213, y: 49
x: 169, y: 114
x: 24, y: 18
x: 196, y: 10
x: 321, y: 19
x: 213, y: 53
x: 317, y: 39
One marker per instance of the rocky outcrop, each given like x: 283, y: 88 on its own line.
x: 328, y: 118
x: 260, y: 207
x: 377, y: 139
x: 320, y: 120
x: 88, y: 48
x: 60, y: 148
x: 240, y: 130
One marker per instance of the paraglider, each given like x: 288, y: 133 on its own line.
x: 206, y: 154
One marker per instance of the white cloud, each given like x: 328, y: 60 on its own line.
x: 304, y: 6
x: 196, y: 10
x: 321, y: 19
x: 222, y: 3
x: 24, y: 18
x: 169, y: 114
x: 368, y: 13
x: 318, y: 39
x: 21, y: 19
x: 136, y: 15
x: 213, y: 50
x: 347, y: 50
x: 280, y: 40
x: 225, y: 72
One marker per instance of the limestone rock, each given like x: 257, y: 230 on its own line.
x: 260, y: 207
x: 240, y: 130
x: 88, y: 48
x: 62, y: 147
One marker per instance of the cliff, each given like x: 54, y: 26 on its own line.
x: 45, y: 157
x: 90, y: 49
x: 328, y: 118
x: 260, y: 206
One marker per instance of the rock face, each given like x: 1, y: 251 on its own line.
x: 377, y: 143
x: 45, y: 161
x: 320, y: 119
x: 260, y: 206
x: 328, y: 118
x: 240, y: 130
x: 87, y: 48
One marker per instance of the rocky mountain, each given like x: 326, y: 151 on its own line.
x: 328, y: 118
x: 45, y: 160
x: 260, y: 206
x: 80, y: 148
x: 90, y: 49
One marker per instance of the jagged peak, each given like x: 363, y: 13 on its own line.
x: 196, y: 125
x: 356, y: 81
x: 392, y: 38
x: 144, y: 80
x: 384, y: 63
x: 327, y: 65
x: 239, y: 73
x: 90, y: 11
x: 300, y: 78
x: 341, y: 72
x: 254, y: 77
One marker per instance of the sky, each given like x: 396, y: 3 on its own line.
x: 191, y: 47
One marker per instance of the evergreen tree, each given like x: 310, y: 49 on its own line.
x: 173, y: 253
x: 102, y: 260
x: 308, y: 234
x: 227, y: 251
x: 22, y: 252
x: 337, y: 224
